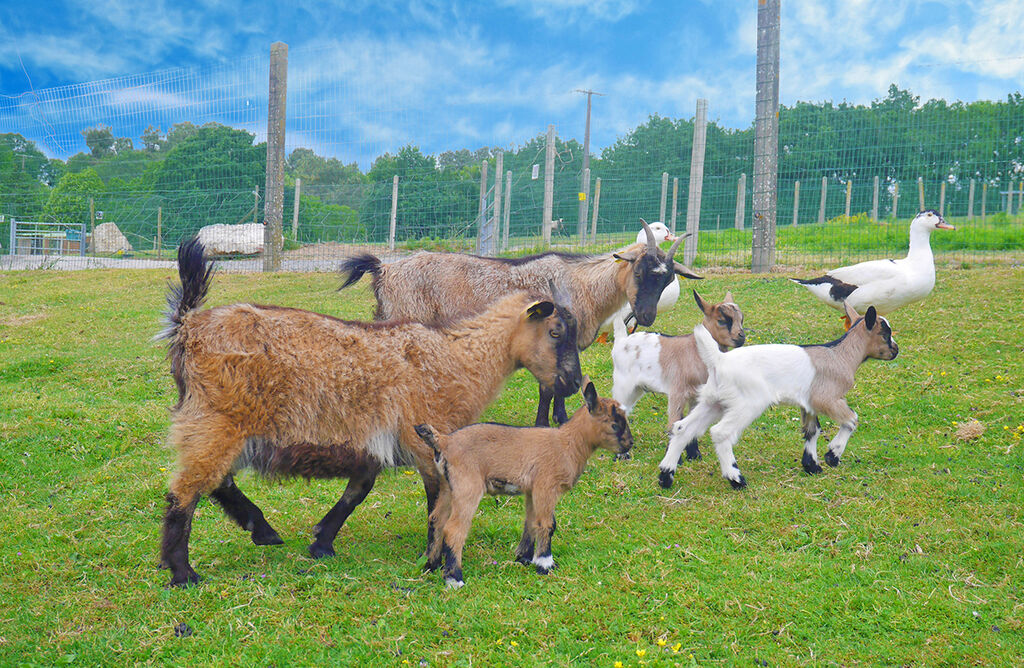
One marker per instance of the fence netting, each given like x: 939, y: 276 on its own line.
x: 144, y: 161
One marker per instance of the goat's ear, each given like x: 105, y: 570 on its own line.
x: 628, y: 256
x: 851, y: 313
x: 870, y: 318
x: 540, y: 310
x: 700, y: 302
x: 589, y: 395
x: 425, y: 431
x: 728, y: 298
x: 683, y: 270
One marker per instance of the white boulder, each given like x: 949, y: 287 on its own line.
x: 244, y: 239
x: 107, y: 238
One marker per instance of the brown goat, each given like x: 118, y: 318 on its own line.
x: 430, y: 285
x: 290, y: 392
x: 650, y: 362
x: 540, y: 463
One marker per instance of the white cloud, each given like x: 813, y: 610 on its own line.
x: 558, y: 13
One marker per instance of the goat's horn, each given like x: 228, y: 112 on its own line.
x: 651, y: 245
x: 675, y: 246
x: 559, y: 294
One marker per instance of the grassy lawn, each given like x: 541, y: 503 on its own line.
x: 909, y: 553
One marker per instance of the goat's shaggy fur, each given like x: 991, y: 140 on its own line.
x: 291, y: 392
x: 540, y: 463
x: 650, y: 362
x: 428, y: 285
x: 745, y: 382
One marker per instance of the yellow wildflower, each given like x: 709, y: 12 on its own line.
x: 618, y: 664
x: 662, y: 642
x: 678, y: 646
x: 514, y: 643
x: 641, y: 653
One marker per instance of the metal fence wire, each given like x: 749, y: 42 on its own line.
x: 163, y: 155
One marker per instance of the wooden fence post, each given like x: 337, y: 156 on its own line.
x: 696, y: 189
x: 874, y: 201
x: 970, y: 202
x: 508, y: 207
x: 796, y: 201
x: 920, y: 194
x: 597, y: 207
x: 295, y: 213
x: 849, y: 190
x: 984, y: 197
x: 766, y: 137
x: 549, y: 184
x: 675, y: 203
x: 584, y: 205
x: 821, y: 205
x: 942, y: 199
x: 159, y: 231
x: 741, y: 201
x: 664, y: 196
x: 895, y: 199
x: 273, y: 201
x: 499, y: 169
x: 394, y: 213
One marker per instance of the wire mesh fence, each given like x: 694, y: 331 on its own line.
x: 159, y: 157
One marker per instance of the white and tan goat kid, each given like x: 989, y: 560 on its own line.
x: 745, y: 382
x: 650, y: 362
x: 541, y: 463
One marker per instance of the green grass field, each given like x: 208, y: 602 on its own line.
x: 909, y: 553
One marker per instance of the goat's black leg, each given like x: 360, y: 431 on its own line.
x: 692, y: 451
x: 543, y: 408
x: 326, y: 530
x: 558, y: 412
x: 244, y: 512
x: 524, y: 551
x: 174, y: 545
x: 432, y: 487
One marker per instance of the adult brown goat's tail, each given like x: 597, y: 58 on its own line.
x: 195, y: 274
x: 354, y: 267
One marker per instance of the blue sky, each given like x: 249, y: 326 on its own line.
x: 465, y: 74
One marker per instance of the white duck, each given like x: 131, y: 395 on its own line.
x: 885, y: 284
x: 669, y: 296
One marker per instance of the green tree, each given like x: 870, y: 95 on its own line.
x: 100, y: 140
x: 69, y: 200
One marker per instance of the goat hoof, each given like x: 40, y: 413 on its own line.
x: 318, y: 551
x: 452, y: 583
x: 810, y: 465
x: 191, y: 578
x: 623, y: 457
x: 692, y: 452
x: 266, y: 538
x: 831, y: 459
x: 738, y: 484
x: 524, y: 559
x: 665, y: 479
x: 431, y: 566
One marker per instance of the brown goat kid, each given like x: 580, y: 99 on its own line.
x: 540, y: 463
x: 426, y: 286
x: 295, y: 393
x: 650, y: 362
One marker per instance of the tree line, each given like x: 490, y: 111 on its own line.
x: 199, y: 175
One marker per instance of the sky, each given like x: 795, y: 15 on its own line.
x: 367, y: 76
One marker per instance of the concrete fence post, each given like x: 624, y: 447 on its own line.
x: 895, y: 199
x: 584, y: 205
x: 499, y: 169
x: 920, y: 194
x: 942, y: 199
x: 597, y: 208
x: 484, y: 238
x: 849, y: 191
x: 984, y: 197
x: 766, y: 137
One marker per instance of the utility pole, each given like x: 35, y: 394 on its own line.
x: 585, y: 186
